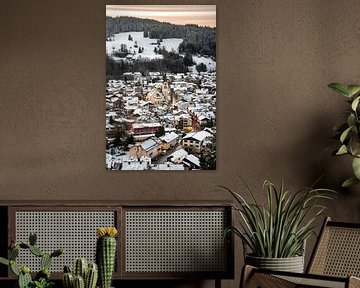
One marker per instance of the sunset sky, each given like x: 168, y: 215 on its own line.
x: 203, y: 15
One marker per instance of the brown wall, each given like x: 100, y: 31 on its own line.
x: 275, y: 113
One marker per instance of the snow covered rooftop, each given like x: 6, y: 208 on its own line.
x: 199, y: 136
x: 193, y: 159
x: 149, y: 144
x: 138, y: 111
x: 108, y: 114
x: 168, y: 166
x: 178, y: 155
x: 143, y: 125
x: 169, y: 137
x: 133, y: 163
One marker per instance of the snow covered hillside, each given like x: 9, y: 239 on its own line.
x: 148, y: 45
x: 122, y: 38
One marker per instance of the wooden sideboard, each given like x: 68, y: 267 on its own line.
x: 157, y: 240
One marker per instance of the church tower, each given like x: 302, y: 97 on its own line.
x: 166, y: 91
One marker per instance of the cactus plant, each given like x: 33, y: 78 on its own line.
x: 42, y: 278
x: 79, y: 282
x: 80, y: 268
x: 36, y: 251
x: 4, y: 261
x: 68, y: 280
x: 43, y: 274
x: 105, y: 254
x: 32, y: 239
x: 13, y: 253
x: 14, y: 268
x: 24, y: 277
x: 45, y: 261
x: 91, y: 276
x: 84, y: 274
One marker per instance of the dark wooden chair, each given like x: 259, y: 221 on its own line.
x: 335, y: 262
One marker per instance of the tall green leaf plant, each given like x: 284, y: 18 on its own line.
x: 280, y: 228
x: 348, y: 133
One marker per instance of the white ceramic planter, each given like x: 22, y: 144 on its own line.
x: 291, y: 264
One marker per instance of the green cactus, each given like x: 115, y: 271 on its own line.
x: 13, y: 253
x: 36, y: 251
x: 14, y: 268
x: 68, y: 280
x: 24, y: 245
x: 43, y: 274
x: 32, y: 238
x: 105, y: 256
x: 42, y: 278
x: 24, y: 280
x: 57, y: 252
x: 67, y: 269
x: 79, y: 282
x: 45, y: 261
x: 25, y: 269
x: 80, y: 267
x: 91, y: 276
x: 87, y: 272
x: 4, y: 261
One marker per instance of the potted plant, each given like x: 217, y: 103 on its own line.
x: 348, y: 132
x: 106, y: 254
x: 84, y: 274
x: 276, y: 233
x: 42, y: 278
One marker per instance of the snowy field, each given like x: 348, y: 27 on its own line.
x: 210, y: 64
x: 168, y: 44
x: 122, y: 38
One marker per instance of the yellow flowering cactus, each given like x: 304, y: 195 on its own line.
x: 106, y: 231
x: 106, y: 254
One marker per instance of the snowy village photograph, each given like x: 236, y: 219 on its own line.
x: 161, y: 87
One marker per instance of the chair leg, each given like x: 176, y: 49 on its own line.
x: 217, y: 283
x: 246, y: 273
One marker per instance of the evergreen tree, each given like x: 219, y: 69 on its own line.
x: 123, y: 47
x: 188, y: 60
x: 129, y: 140
x: 197, y: 39
x: 208, y: 155
x: 160, y: 132
x: 201, y: 67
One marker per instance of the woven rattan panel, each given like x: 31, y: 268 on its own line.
x: 338, y: 253
x: 313, y: 282
x: 175, y: 241
x: 268, y: 280
x: 75, y: 231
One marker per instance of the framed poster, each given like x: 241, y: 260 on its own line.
x: 161, y: 87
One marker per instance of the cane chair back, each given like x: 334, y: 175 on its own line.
x: 337, y: 252
x: 335, y: 262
